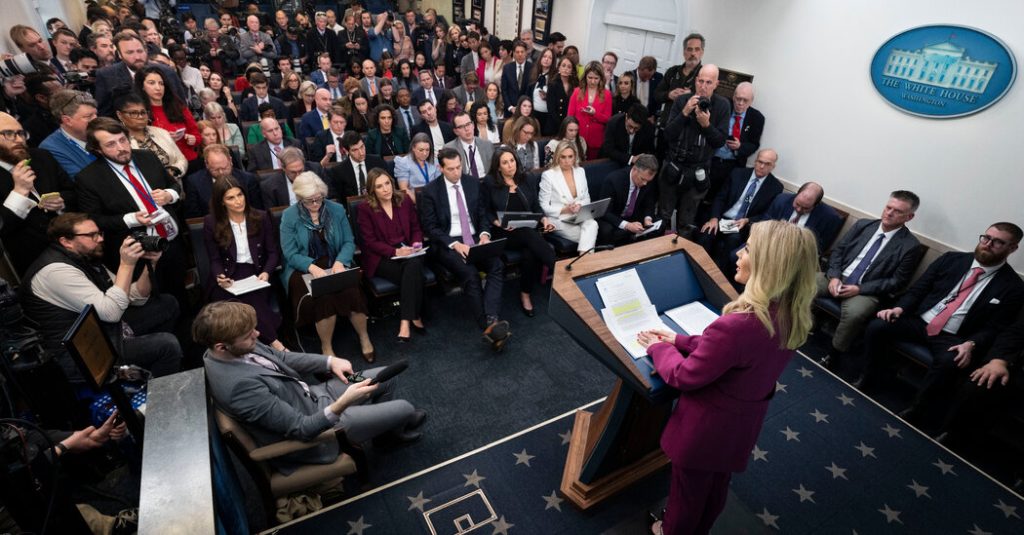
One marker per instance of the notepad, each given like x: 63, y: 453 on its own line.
x: 246, y: 285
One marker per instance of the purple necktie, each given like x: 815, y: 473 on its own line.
x: 467, y: 233
x: 472, y: 162
x: 631, y: 205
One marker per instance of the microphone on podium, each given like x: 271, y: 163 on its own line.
x: 688, y: 229
x: 588, y: 251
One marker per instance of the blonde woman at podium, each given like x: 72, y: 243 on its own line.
x: 726, y: 376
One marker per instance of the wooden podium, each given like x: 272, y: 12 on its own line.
x: 618, y: 445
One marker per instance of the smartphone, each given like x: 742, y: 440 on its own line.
x: 118, y: 420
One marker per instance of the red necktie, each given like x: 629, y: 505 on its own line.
x: 939, y: 321
x: 147, y: 200
x: 737, y: 123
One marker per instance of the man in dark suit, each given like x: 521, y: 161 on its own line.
x: 873, y: 260
x: 327, y: 146
x: 353, y: 43
x: 119, y: 78
x: 28, y: 178
x: 250, y: 106
x: 439, y: 132
x: 453, y: 216
x: 745, y: 198
x: 745, y: 127
x: 199, y: 185
x: 406, y: 110
x: 515, y: 77
x: 264, y: 155
x: 628, y: 135
x: 647, y: 80
x: 633, y: 196
x: 316, y: 120
x: 322, y: 39
x: 126, y: 191
x: 277, y: 187
x: 806, y: 209
x: 426, y: 91
x: 349, y: 177
x: 956, y: 309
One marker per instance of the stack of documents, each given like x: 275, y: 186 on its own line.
x: 692, y: 317
x: 628, y: 310
x: 246, y: 285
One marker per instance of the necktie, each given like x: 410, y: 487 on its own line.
x: 737, y: 123
x: 408, y: 120
x: 467, y: 234
x: 748, y: 197
x: 362, y: 179
x: 337, y: 150
x: 519, y: 75
x: 631, y: 204
x: 472, y: 162
x: 277, y: 156
x: 323, y: 122
x: 440, y: 82
x: 146, y: 199
x: 939, y: 321
x: 858, y: 271
x: 373, y: 87
x: 795, y: 217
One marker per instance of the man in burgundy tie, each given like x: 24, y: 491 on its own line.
x: 631, y: 210
x: 955, y: 310
x: 454, y: 218
x: 744, y: 138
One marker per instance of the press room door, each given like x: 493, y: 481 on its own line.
x: 631, y: 44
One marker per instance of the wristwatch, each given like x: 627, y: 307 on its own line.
x: 61, y: 448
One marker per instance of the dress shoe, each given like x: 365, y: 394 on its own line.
x: 369, y: 357
x: 395, y: 439
x: 528, y: 312
x: 418, y: 417
x: 418, y: 330
x: 497, y: 334
x: 403, y: 339
x: 828, y: 361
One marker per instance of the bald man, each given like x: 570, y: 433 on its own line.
x: 745, y: 127
x: 316, y: 120
x: 806, y: 209
x: 264, y: 155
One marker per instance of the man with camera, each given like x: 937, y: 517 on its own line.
x: 696, y: 127
x: 69, y: 275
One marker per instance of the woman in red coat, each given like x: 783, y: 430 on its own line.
x: 726, y: 376
x: 591, y: 105
x: 389, y: 227
x: 167, y: 111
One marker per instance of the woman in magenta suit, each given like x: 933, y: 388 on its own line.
x: 591, y: 105
x: 726, y: 376
x: 389, y: 227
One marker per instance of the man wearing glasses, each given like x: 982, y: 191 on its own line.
x: 70, y: 275
x: 74, y: 110
x: 476, y: 152
x: 956, y: 310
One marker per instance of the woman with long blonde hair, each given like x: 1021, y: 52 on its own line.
x: 726, y: 375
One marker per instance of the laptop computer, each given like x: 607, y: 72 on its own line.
x: 590, y: 211
x: 484, y: 251
x: 519, y: 219
x: 333, y: 283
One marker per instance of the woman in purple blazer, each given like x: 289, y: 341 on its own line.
x: 389, y: 227
x: 726, y: 376
x: 234, y: 258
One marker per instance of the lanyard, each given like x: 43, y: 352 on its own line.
x: 423, y: 171
x: 142, y: 193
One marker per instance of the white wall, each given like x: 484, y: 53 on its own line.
x: 810, y: 60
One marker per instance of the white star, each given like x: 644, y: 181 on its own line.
x: 790, y: 434
x: 566, y: 437
x: 819, y: 416
x: 892, y: 431
x: 919, y: 489
x: 865, y: 450
x: 473, y: 479
x: 553, y: 501
x: 805, y: 373
x: 836, y: 471
x: 759, y: 454
x: 890, y: 515
x: 945, y: 468
x: 804, y: 494
x: 1008, y: 510
x: 768, y: 518
x: 501, y: 526
x: 978, y: 531
x: 847, y: 400
x: 779, y: 387
x: 417, y: 502
x: 523, y: 457
x: 357, y: 527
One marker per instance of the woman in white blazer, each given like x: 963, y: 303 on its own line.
x: 563, y: 190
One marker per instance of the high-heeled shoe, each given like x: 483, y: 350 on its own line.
x: 529, y: 312
x: 403, y: 339
x: 418, y: 330
x: 369, y: 357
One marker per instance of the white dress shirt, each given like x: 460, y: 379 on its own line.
x: 874, y: 236
x: 479, y: 161
x: 242, y: 253
x: 734, y: 211
x: 456, y: 227
x: 954, y: 322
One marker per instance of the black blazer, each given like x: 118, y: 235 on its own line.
x: 892, y: 267
x: 421, y: 94
x: 737, y: 185
x: 558, y: 104
x: 652, y: 85
x: 750, y: 136
x: 1009, y: 344
x: 263, y: 247
x: 995, y: 308
x: 199, y: 189
x: 114, y: 80
x: 315, y: 44
x: 259, y: 154
x: 25, y: 239
x: 274, y: 188
x: 616, y: 188
x: 495, y: 198
x: 342, y: 178
x: 823, y: 220
x: 447, y: 132
x: 318, y: 149
x: 435, y: 212
x: 616, y: 140
x: 510, y: 90
x: 250, y: 109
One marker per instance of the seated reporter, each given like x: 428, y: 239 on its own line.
x: 726, y: 376
x: 506, y: 189
x: 240, y: 243
x: 633, y: 196
x: 265, y: 390
x: 563, y: 191
x: 199, y: 185
x: 386, y: 138
x: 131, y: 111
x: 418, y: 167
x: 389, y: 227
x: 317, y: 239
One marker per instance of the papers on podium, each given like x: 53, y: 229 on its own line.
x: 692, y: 317
x: 628, y: 310
x: 246, y: 285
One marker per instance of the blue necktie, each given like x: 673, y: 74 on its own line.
x: 748, y: 197
x: 858, y: 271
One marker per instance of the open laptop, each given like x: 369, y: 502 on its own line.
x: 590, y: 211
x: 333, y: 283
x: 485, y: 250
x: 519, y: 219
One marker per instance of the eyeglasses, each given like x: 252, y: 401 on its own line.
x: 11, y: 135
x: 463, y: 125
x: 313, y: 201
x: 93, y: 235
x: 138, y: 114
x: 984, y: 239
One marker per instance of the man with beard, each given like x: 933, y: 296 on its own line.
x: 70, y: 275
x: 956, y: 310
x: 33, y: 188
x: 680, y: 79
x: 119, y: 78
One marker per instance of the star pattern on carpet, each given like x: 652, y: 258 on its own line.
x: 523, y: 458
x: 357, y: 527
x: 779, y: 387
x: 919, y: 489
x: 804, y: 494
x: 473, y: 479
x: 417, y: 502
x: 501, y: 526
x: 891, y: 515
x: 804, y: 372
x: 566, y: 437
x: 944, y: 467
x: 768, y: 518
x: 759, y: 454
x: 1008, y: 510
x: 790, y: 434
x: 865, y: 450
x: 846, y: 400
x: 819, y: 416
x: 978, y: 531
x: 891, y: 431
x: 553, y: 501
x: 837, y: 472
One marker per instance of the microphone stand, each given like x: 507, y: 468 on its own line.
x: 588, y: 251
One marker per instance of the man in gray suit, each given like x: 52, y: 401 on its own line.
x: 476, y: 152
x: 370, y: 84
x: 267, y: 390
x: 874, y: 260
x: 469, y: 91
x: 254, y: 45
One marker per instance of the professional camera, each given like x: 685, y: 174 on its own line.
x: 704, y: 103
x: 151, y: 244
x: 77, y: 77
x: 297, y: 65
x: 20, y: 64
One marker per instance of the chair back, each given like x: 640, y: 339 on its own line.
x: 195, y: 231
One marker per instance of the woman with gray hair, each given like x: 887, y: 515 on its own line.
x: 230, y: 134
x: 317, y: 239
